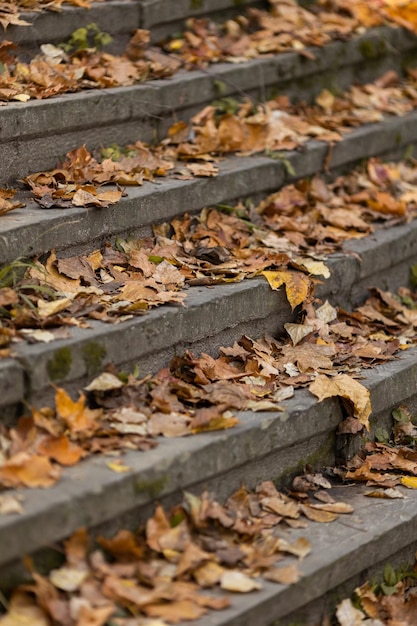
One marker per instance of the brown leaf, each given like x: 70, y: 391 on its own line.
x: 175, y: 612
x: 23, y: 611
x: 346, y: 387
x: 288, y: 575
x: 123, y: 546
x: 316, y: 515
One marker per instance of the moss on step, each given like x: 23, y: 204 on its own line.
x: 152, y: 488
x: 320, y: 457
x: 93, y: 354
x: 372, y: 50
x: 59, y: 365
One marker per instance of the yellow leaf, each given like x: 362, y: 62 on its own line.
x: 233, y: 580
x: 409, y: 481
x: 317, y: 268
x: 348, y: 388
x: 45, y: 309
x: 297, y: 284
x: 22, y: 97
x: 24, y: 611
x: 118, y: 466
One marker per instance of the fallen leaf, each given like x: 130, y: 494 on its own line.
x: 10, y: 505
x: 24, y: 611
x: 297, y: 285
x: 288, y: 575
x: 67, y: 578
x: 28, y: 470
x: 345, y: 387
x: 118, y: 466
x: 233, y: 580
x: 409, y: 481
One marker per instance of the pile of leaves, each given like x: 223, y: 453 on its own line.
x: 55, y: 71
x: 287, y: 26
x: 166, y: 570
x: 270, y: 128
x: 326, y: 351
x: 391, y: 601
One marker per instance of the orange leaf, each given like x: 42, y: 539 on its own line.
x: 29, y: 471
x: 75, y: 414
x: 62, y: 450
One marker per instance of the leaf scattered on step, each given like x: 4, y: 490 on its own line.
x: 297, y: 285
x: 345, y: 387
x: 118, y: 466
x: 238, y: 582
x: 10, y: 504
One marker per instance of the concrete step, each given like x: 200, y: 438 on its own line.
x: 34, y: 231
x: 36, y: 134
x: 264, y: 446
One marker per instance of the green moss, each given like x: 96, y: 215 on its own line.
x: 93, y: 354
x: 372, y: 50
x: 60, y: 364
x: 219, y: 87
x: 152, y: 488
x: 196, y: 4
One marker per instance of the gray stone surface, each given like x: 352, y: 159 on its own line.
x: 37, y: 134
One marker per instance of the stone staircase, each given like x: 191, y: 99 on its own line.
x: 266, y: 446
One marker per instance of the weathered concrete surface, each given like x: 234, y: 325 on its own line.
x: 263, y: 446
x: 36, y: 134
x: 33, y: 231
